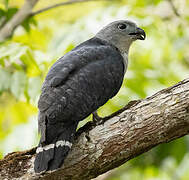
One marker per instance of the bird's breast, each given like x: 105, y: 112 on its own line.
x: 125, y: 61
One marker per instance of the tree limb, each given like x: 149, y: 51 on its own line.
x: 24, y: 12
x: 58, y: 5
x: 174, y: 8
x: 137, y: 128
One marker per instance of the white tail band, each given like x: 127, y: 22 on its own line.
x: 63, y: 143
x: 50, y: 146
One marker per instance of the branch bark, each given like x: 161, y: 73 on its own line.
x: 135, y: 129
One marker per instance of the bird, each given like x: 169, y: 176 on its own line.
x: 77, y: 84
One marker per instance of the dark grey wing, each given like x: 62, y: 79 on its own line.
x: 56, y: 76
x: 94, y: 75
x: 59, y: 72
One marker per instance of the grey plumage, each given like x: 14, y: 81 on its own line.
x: 78, y: 84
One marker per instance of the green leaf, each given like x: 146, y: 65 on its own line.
x: 6, y: 2
x: 13, y: 51
x: 11, y: 12
x: 26, y: 25
x: 5, y: 80
x: 34, y: 87
x: 28, y: 22
x: 2, y: 13
x: 18, y: 84
x: 30, y: 62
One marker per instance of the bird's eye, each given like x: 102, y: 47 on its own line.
x: 122, y: 26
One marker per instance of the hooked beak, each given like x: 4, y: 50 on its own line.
x: 139, y: 34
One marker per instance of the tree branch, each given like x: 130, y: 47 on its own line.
x: 58, y: 5
x: 24, y: 12
x: 174, y: 8
x: 138, y: 127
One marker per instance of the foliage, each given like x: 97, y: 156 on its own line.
x: 158, y: 62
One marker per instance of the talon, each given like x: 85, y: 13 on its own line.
x: 96, y: 117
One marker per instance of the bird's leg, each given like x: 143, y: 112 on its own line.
x: 96, y: 118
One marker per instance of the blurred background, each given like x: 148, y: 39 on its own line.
x: 158, y: 62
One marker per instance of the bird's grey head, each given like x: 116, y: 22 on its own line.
x: 121, y: 34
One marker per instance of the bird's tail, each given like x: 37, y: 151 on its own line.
x: 50, y: 156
